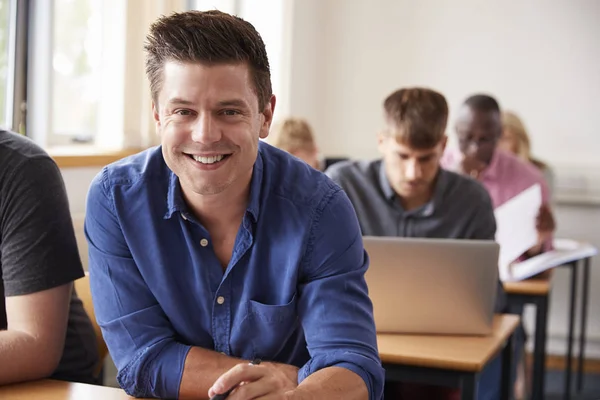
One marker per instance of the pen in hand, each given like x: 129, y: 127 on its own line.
x: 223, y: 396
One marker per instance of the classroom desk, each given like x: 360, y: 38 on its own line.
x: 454, y: 361
x: 535, y: 291
x: 48, y: 389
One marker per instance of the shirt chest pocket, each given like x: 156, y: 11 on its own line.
x: 267, y: 328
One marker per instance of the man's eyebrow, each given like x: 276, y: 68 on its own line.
x: 180, y: 101
x: 232, y: 103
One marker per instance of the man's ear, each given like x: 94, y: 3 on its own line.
x: 268, y: 115
x: 155, y: 114
x: 444, y: 143
x: 381, y: 139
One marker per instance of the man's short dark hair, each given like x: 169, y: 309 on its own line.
x: 211, y: 38
x: 482, y: 102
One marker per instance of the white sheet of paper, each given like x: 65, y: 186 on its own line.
x: 565, y: 251
x: 515, y: 221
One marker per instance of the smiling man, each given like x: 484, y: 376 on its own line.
x: 215, y: 249
x: 408, y: 194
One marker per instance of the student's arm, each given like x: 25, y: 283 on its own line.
x: 39, y: 261
x: 336, y: 315
x: 484, y: 228
x: 335, y: 310
x: 142, y: 342
x: 32, y: 345
x: 482, y: 221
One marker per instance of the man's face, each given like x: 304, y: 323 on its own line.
x: 411, y: 172
x: 209, y: 123
x: 478, y: 133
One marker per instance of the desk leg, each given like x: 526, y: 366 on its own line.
x: 468, y: 388
x: 584, y: 311
x: 573, y: 300
x: 506, y: 381
x: 539, y: 351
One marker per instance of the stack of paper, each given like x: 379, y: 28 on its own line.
x: 515, y: 227
x: 565, y: 251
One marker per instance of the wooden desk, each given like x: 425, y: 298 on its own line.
x: 535, y: 291
x: 536, y: 286
x: 59, y: 390
x: 454, y: 361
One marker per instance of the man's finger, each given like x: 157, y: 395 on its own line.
x: 253, y: 390
x: 236, y: 375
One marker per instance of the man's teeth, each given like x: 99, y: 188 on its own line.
x: 208, y: 160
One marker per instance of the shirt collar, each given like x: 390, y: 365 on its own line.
x: 176, y: 203
x: 386, y: 188
x: 428, y: 208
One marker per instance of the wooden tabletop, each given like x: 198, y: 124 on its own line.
x: 58, y: 390
x: 538, y: 286
x: 458, y: 353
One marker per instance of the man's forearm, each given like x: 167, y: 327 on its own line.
x: 22, y: 359
x: 333, y: 383
x: 202, y: 368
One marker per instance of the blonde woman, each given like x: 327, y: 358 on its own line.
x: 516, y: 140
x: 295, y: 136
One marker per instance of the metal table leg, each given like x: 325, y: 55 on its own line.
x: 584, y: 311
x: 468, y: 387
x: 506, y: 389
x: 572, y: 303
x: 539, y: 351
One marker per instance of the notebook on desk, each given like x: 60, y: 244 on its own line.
x: 432, y: 286
x: 565, y: 251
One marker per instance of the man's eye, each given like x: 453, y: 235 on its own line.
x: 230, y: 113
x: 184, y: 113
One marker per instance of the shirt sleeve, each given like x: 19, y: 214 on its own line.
x: 334, y: 174
x: 38, y: 250
x: 137, y: 332
x: 484, y: 228
x: 334, y: 307
x: 483, y: 220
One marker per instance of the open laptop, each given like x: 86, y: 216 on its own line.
x: 432, y: 286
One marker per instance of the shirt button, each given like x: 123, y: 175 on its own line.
x: 220, y: 300
x: 204, y: 243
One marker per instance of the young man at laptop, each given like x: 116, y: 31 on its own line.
x: 407, y: 194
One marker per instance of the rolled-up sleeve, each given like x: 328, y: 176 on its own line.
x: 137, y: 332
x: 334, y: 307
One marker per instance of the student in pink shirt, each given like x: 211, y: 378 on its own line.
x: 504, y: 175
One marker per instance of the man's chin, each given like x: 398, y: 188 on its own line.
x: 412, y: 190
x: 203, y: 187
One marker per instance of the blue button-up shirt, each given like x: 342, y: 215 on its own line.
x: 294, y: 291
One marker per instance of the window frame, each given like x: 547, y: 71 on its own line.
x: 16, y: 77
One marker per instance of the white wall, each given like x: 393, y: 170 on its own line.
x: 540, y: 58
